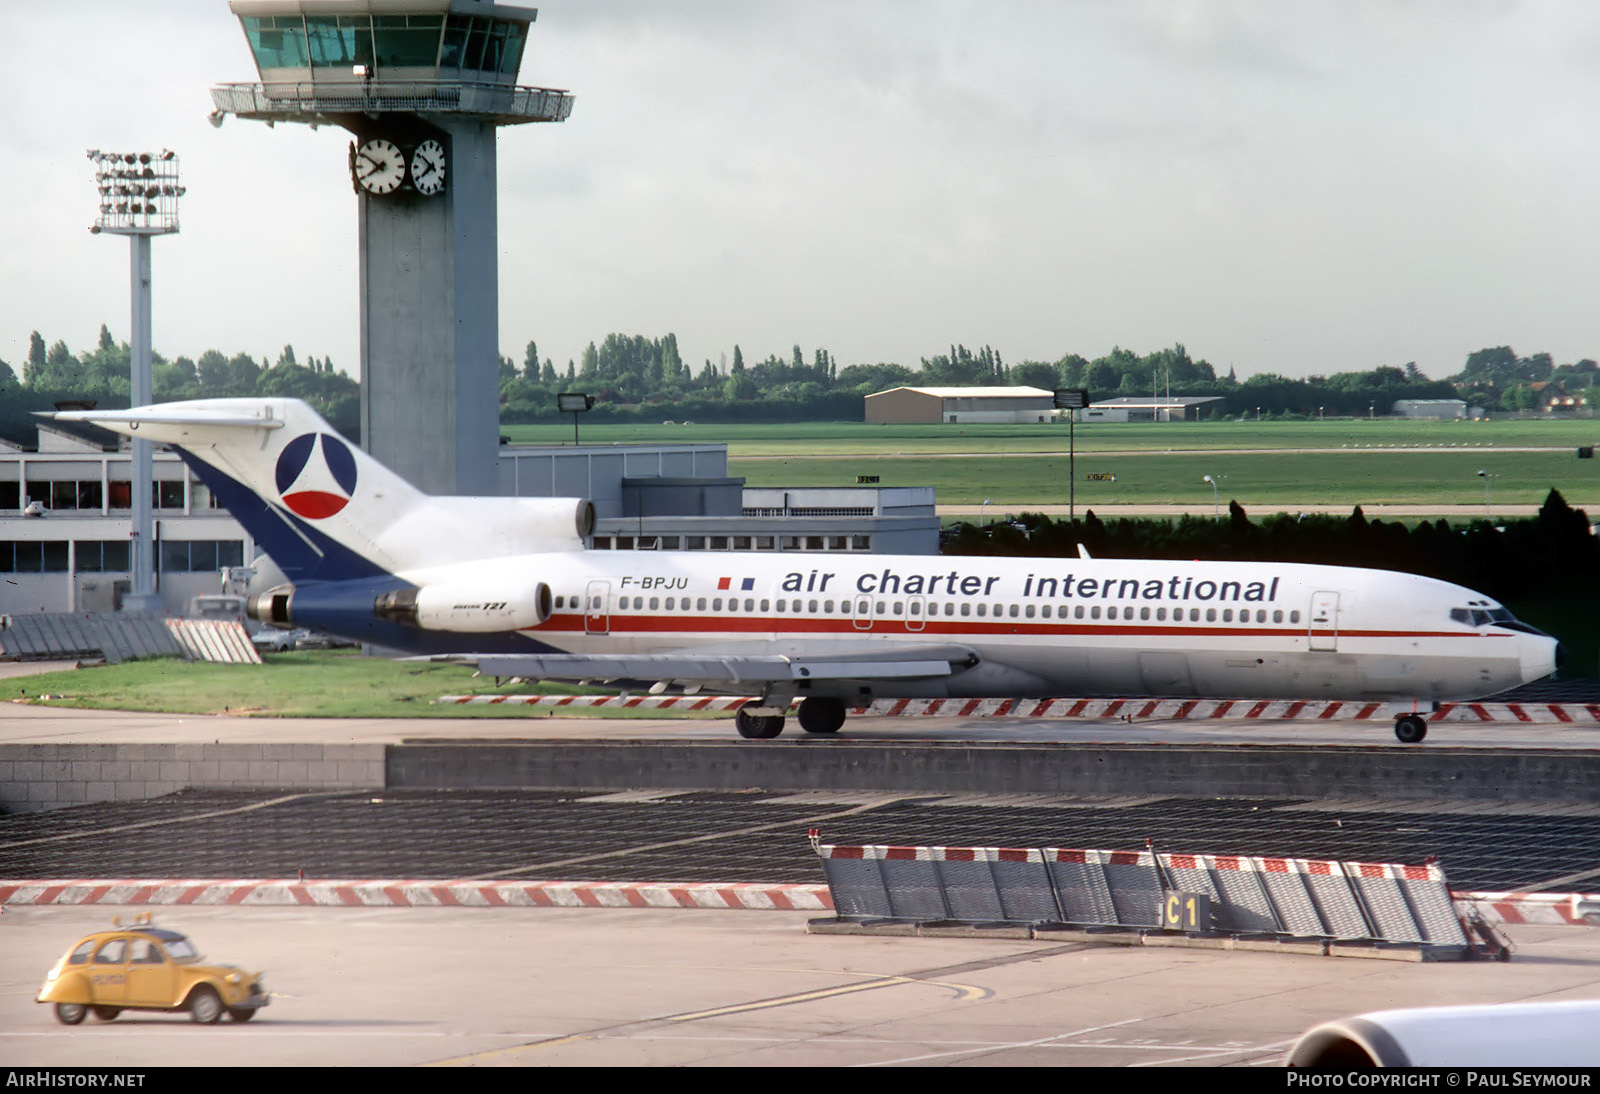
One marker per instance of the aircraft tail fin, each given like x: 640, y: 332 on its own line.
x: 324, y: 509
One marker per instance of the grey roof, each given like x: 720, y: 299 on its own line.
x: 1134, y: 401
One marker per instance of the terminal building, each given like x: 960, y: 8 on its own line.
x: 1177, y: 408
x: 66, y: 521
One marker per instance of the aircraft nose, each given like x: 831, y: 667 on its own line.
x: 1541, y: 656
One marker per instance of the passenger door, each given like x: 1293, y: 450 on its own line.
x: 108, y: 972
x: 151, y: 977
x: 1324, y: 626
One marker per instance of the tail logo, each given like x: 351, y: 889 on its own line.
x: 316, y: 486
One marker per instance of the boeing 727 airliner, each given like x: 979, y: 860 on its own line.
x: 507, y: 583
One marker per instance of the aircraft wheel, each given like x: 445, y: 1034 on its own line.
x: 821, y: 715
x: 1410, y: 729
x: 756, y: 727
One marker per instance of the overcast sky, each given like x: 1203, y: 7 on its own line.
x: 1286, y: 187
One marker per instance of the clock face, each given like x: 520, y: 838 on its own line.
x: 379, y: 167
x: 427, y: 168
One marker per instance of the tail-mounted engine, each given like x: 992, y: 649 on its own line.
x: 464, y: 607
x: 474, y: 609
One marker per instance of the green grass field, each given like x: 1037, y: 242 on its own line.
x: 1277, y: 480
x: 1267, y: 464
x: 320, y: 684
x: 858, y: 438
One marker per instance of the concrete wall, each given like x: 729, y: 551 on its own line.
x: 1182, y: 771
x: 430, y: 355
x: 34, y: 777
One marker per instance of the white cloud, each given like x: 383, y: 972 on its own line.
x: 1297, y: 188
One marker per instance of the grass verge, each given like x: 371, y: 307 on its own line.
x: 312, y: 684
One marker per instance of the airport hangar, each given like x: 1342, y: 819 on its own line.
x: 65, y: 519
x: 1017, y: 404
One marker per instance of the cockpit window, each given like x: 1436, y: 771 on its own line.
x: 1491, y: 617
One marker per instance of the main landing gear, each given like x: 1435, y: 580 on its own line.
x: 755, y: 720
x: 1410, y: 728
x: 757, y: 727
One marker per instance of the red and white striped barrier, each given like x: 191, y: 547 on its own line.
x: 625, y: 702
x: 380, y: 893
x: 1580, y: 714
x: 1550, y: 909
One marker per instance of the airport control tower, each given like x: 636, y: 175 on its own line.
x: 421, y: 85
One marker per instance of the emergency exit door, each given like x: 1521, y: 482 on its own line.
x: 597, y: 608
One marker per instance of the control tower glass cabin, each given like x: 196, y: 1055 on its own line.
x: 422, y: 86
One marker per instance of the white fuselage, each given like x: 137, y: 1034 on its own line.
x: 1048, y: 626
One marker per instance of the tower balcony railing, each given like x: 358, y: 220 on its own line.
x: 311, y: 101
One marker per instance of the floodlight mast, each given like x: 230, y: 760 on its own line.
x: 139, y: 194
x: 574, y: 403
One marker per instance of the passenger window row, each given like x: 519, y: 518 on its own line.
x: 946, y: 609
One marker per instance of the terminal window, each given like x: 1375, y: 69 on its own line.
x: 183, y: 556
x: 99, y: 556
x: 32, y: 556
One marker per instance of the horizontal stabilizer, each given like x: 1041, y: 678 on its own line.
x: 164, y: 415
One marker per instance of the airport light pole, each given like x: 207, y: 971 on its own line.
x: 574, y: 403
x: 1485, y: 476
x: 139, y: 194
x: 1216, y: 499
x: 1072, y: 400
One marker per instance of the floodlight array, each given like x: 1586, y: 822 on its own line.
x: 139, y: 191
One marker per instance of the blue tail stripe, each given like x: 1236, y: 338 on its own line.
x: 300, y: 551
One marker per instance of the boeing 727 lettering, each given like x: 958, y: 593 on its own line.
x: 507, y: 583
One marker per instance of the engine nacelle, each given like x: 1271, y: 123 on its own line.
x: 1558, y: 1034
x: 480, y: 608
x: 273, y: 607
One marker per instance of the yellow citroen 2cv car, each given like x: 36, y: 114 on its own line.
x: 143, y: 967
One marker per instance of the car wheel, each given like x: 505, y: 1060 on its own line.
x: 70, y: 1014
x: 241, y: 1014
x: 105, y: 1014
x: 204, y: 1006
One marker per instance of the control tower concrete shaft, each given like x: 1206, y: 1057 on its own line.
x: 421, y: 85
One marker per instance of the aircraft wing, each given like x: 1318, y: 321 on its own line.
x: 901, y: 663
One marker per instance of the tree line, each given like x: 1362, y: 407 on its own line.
x: 103, y: 376
x: 637, y: 378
